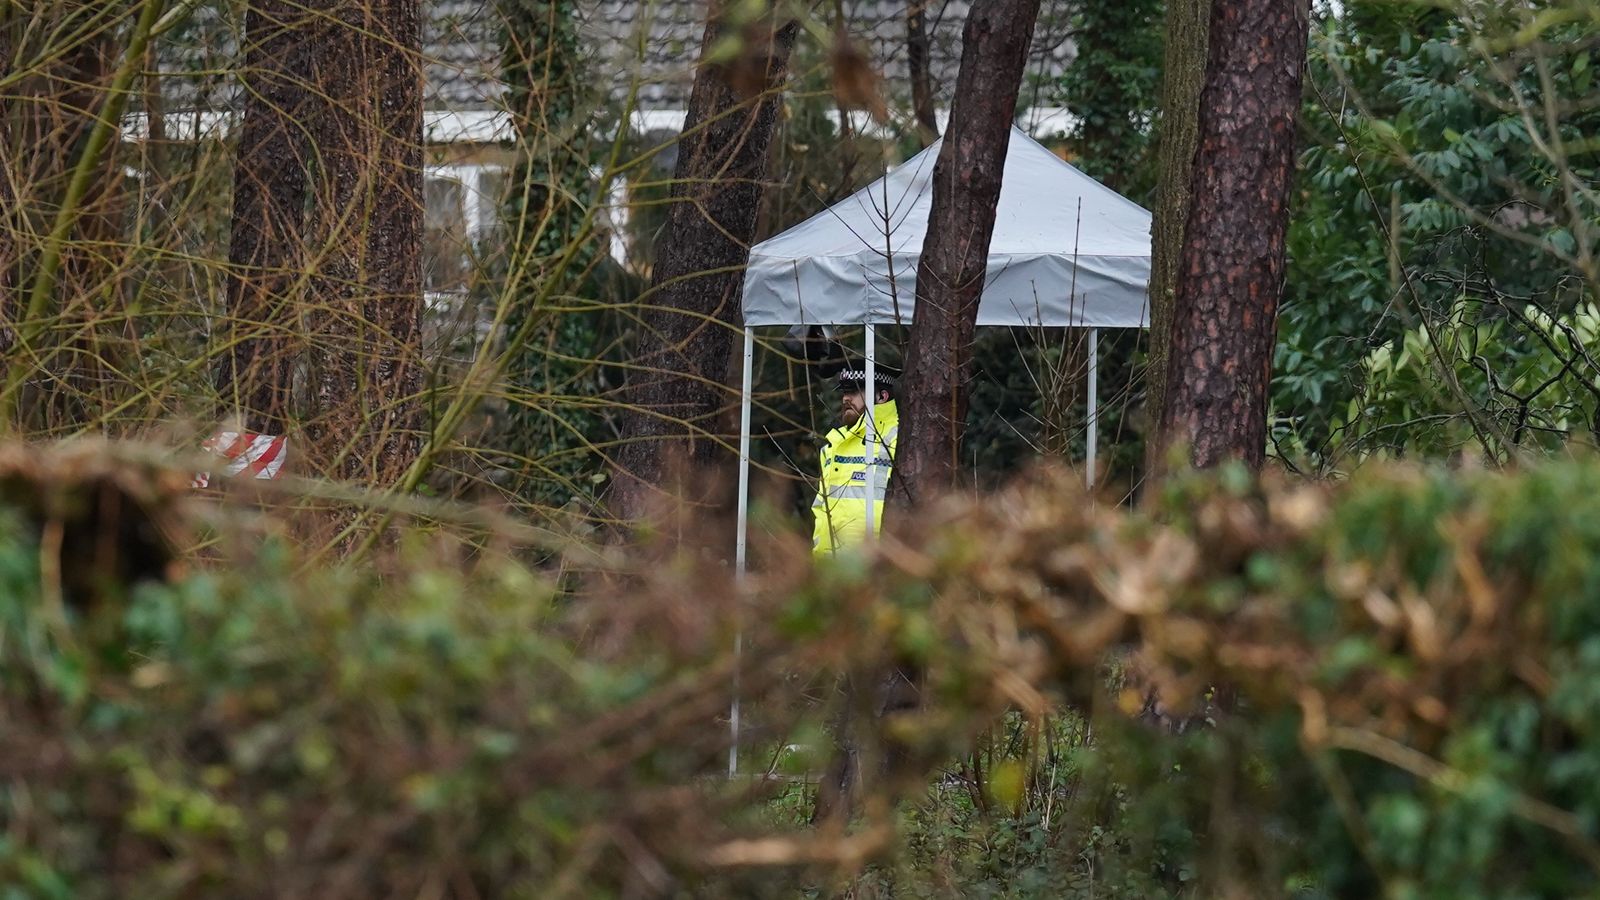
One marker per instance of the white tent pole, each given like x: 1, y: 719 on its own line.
x: 1094, y: 405
x: 871, y: 398
x: 742, y: 539
x: 744, y: 451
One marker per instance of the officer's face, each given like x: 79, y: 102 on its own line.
x: 851, y: 407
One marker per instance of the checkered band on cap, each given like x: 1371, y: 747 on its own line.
x: 852, y: 379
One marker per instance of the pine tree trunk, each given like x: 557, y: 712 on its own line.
x: 393, y: 304
x: 1232, y: 267
x: 917, y: 67
x: 676, y: 417
x: 366, y: 299
x: 1188, y: 22
x: 933, y: 392
x: 265, y: 250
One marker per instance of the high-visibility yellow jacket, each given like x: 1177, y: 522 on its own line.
x: 841, y: 505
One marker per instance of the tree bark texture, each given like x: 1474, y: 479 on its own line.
x: 922, y: 105
x: 366, y: 250
x: 677, y: 401
x: 267, y: 241
x: 933, y: 391
x: 1232, y: 267
x: 1184, y: 72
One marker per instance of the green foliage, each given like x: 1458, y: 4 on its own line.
x: 1465, y: 816
x: 1040, y: 811
x: 1449, y: 162
x: 556, y: 256
x: 322, y: 726
x: 1113, y: 87
x: 1029, y: 400
x: 1412, y: 658
x: 1526, y: 375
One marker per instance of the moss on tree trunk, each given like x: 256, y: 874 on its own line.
x: 1184, y: 71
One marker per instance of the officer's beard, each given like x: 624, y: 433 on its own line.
x: 850, y: 412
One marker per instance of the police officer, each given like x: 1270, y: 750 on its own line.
x: 841, y: 504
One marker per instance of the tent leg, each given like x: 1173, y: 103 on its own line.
x: 1094, y: 406
x: 871, y: 399
x: 742, y: 539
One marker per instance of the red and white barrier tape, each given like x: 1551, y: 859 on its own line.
x: 257, y: 455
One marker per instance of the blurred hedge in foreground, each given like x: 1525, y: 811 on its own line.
x: 1409, y: 674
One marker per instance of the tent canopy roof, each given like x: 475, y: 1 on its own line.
x: 1066, y: 251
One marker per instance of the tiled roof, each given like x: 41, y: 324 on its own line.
x: 651, y: 43
x: 656, y: 42
x: 461, y: 41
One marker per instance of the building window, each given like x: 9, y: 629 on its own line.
x: 444, y: 236
x: 462, y: 212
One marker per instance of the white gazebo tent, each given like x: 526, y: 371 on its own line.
x: 1066, y: 252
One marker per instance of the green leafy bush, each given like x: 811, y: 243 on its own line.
x: 1528, y: 380
x: 1440, y: 142
x: 1404, y: 705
